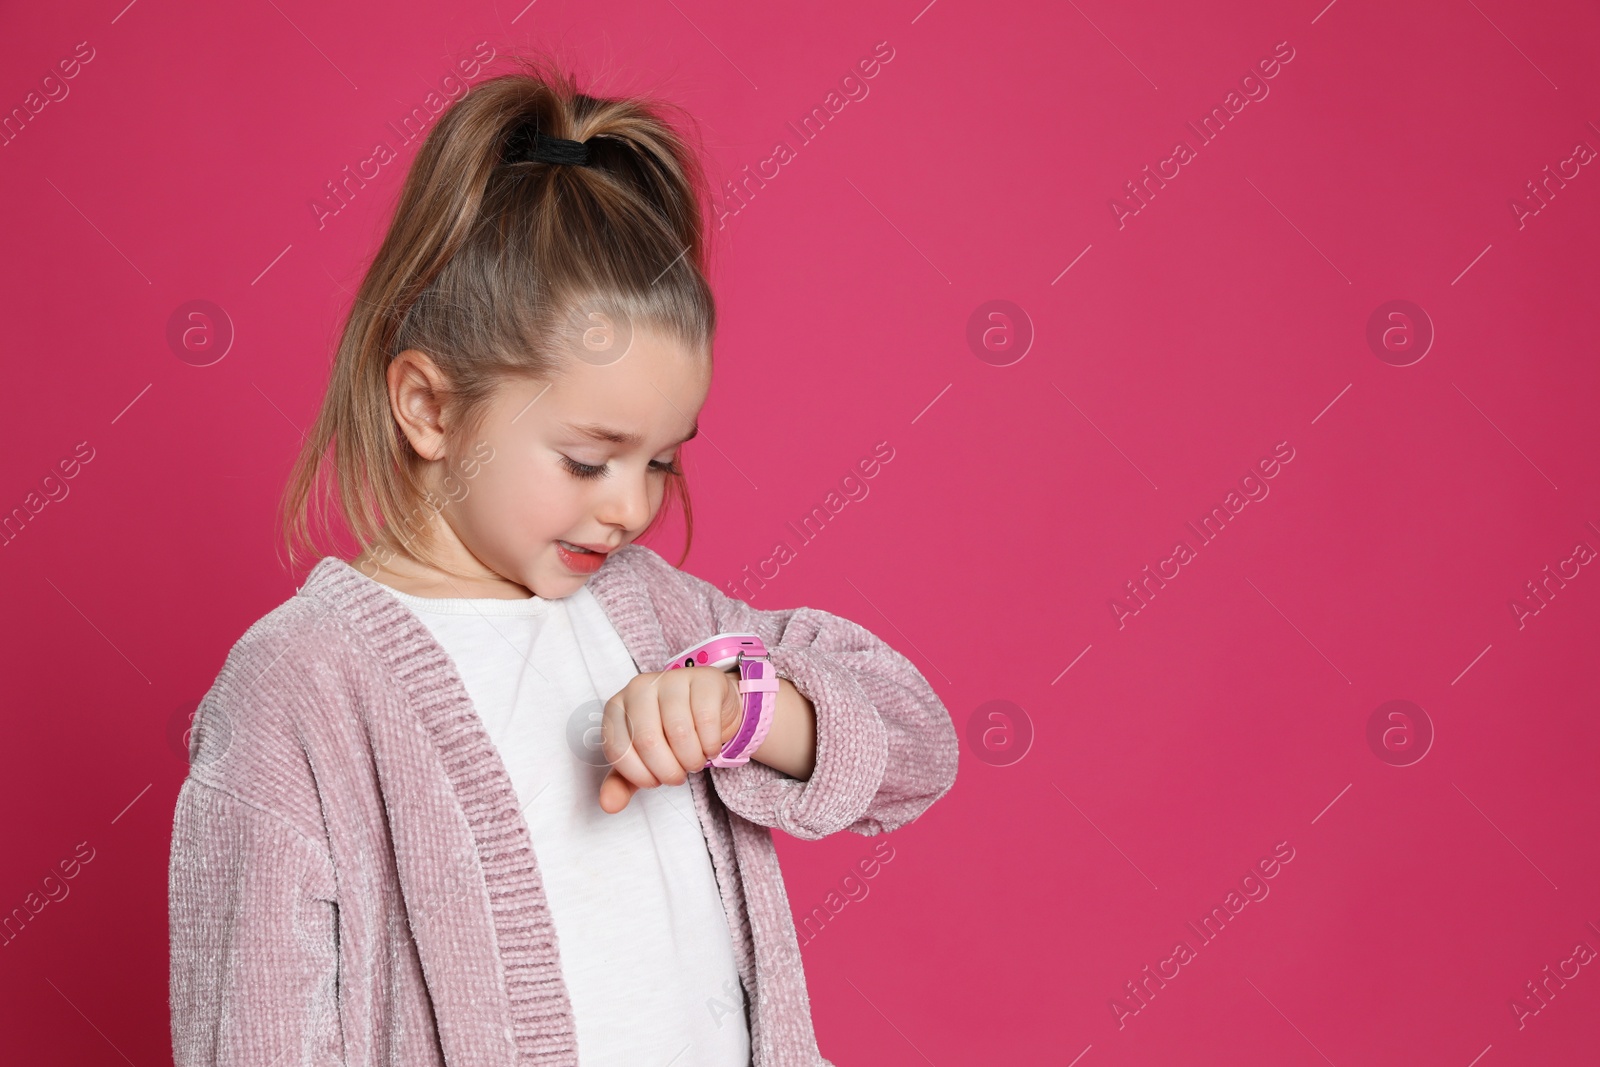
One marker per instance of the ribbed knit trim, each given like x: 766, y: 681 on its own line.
x: 541, y: 1012
x: 617, y: 587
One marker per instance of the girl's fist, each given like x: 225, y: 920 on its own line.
x: 664, y: 725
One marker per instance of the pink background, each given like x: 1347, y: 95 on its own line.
x: 1168, y: 754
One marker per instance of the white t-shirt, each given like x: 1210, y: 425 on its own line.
x: 643, y: 938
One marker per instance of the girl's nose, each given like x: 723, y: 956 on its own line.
x: 627, y: 504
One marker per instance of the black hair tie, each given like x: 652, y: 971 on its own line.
x: 528, y: 145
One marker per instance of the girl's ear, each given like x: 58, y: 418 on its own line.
x: 415, y: 390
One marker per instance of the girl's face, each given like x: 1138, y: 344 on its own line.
x: 556, y: 467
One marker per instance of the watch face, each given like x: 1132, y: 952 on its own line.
x: 721, y: 651
x: 704, y: 659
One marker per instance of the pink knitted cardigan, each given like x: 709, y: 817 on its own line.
x: 352, y: 883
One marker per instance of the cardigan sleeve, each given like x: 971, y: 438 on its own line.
x: 886, y: 748
x: 253, y: 928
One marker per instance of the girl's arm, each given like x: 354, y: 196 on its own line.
x: 252, y: 920
x: 885, y: 746
x: 791, y: 742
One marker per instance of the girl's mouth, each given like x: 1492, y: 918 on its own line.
x: 579, y: 560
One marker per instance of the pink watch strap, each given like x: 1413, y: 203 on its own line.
x: 758, y: 685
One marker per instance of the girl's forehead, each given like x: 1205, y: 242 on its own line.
x: 653, y: 394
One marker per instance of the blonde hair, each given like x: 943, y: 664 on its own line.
x: 488, y: 267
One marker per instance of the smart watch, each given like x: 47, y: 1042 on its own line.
x: 758, y: 688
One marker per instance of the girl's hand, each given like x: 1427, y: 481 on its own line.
x: 664, y: 725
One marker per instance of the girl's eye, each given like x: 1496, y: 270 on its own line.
x: 586, y: 470
x: 582, y: 470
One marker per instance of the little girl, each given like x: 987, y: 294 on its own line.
x: 448, y: 804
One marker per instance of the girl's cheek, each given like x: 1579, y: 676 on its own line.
x: 544, y: 497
